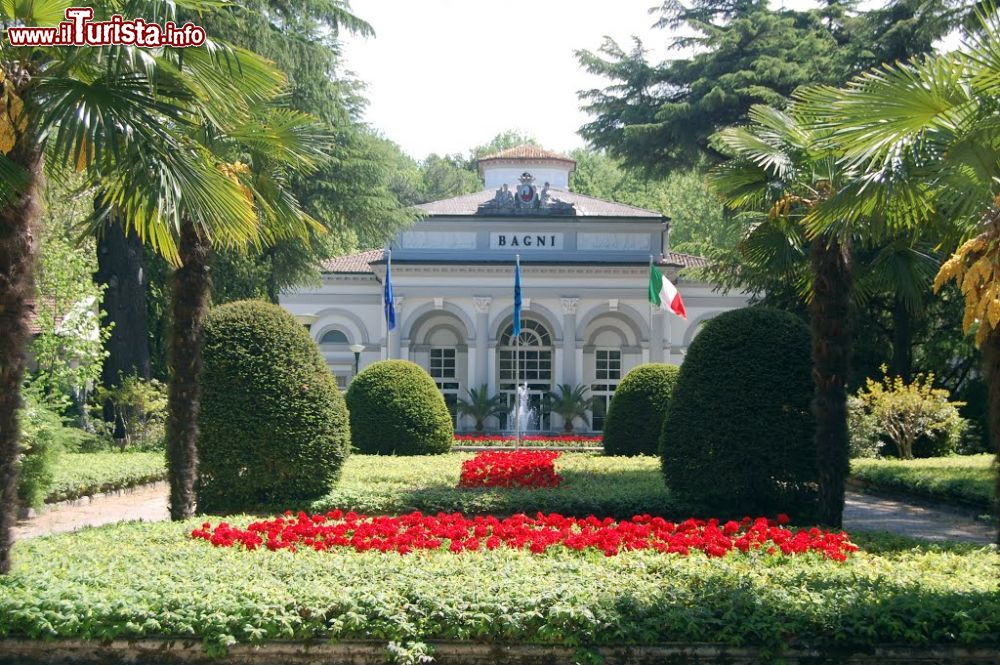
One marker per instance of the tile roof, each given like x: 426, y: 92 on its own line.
x: 32, y: 306
x: 360, y: 262
x: 684, y: 260
x: 357, y: 263
x: 527, y: 151
x: 586, y: 206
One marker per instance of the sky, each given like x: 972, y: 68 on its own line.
x: 446, y: 75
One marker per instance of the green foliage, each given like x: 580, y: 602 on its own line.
x: 569, y: 402
x: 396, y: 409
x: 635, y: 416
x: 141, y: 405
x: 659, y: 116
x: 272, y: 425
x: 865, y: 440
x: 593, y: 485
x: 738, y: 434
x: 69, y: 347
x: 481, y: 406
x: 964, y: 479
x: 917, y: 418
x: 40, y: 449
x: 77, y: 475
x: 698, y: 224
x: 130, y: 581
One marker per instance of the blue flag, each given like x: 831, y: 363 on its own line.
x: 390, y: 305
x: 517, y: 299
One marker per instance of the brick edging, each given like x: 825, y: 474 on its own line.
x: 363, y: 652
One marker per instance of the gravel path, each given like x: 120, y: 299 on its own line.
x: 866, y: 512
x: 862, y: 512
x: 148, y: 503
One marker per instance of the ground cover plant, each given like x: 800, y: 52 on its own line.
x: 532, y: 441
x: 82, y: 474
x: 967, y: 479
x: 511, y: 468
x: 457, y: 533
x: 617, y: 487
x: 153, y: 580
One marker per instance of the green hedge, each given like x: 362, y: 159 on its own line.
x: 965, y: 479
x: 635, y: 417
x: 396, y: 409
x: 272, y: 426
x: 77, y: 475
x: 738, y: 436
x: 135, y: 580
x: 592, y: 485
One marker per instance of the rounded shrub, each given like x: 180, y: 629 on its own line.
x: 738, y: 434
x: 635, y: 416
x: 396, y: 409
x: 273, y: 427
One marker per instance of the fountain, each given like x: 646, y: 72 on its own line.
x: 521, y: 414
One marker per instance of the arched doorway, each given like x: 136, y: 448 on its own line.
x: 530, y: 364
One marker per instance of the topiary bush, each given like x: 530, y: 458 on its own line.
x: 396, y: 409
x: 738, y: 434
x: 273, y: 428
x: 635, y: 416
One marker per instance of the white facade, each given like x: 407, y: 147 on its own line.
x: 584, y: 276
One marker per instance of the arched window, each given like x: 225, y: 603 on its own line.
x: 333, y: 337
x: 529, y: 364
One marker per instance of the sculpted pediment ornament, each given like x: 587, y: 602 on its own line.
x: 526, y: 198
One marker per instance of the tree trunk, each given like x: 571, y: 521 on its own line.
x: 18, y: 222
x: 189, y: 299
x: 991, y: 358
x: 830, y: 314
x: 121, y: 268
x: 902, y: 341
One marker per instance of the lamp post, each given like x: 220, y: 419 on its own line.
x: 357, y: 349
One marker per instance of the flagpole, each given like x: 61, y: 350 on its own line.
x: 517, y: 367
x: 648, y: 277
x: 387, y: 305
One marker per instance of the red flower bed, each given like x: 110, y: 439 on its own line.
x: 457, y: 533
x: 511, y: 468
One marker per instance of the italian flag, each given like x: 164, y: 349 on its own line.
x: 664, y: 294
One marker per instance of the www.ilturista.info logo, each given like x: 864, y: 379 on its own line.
x: 79, y: 30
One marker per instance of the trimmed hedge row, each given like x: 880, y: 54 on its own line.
x: 134, y: 580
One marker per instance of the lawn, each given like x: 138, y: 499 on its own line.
x: 83, y: 474
x: 965, y: 479
x: 605, y: 486
x: 153, y: 580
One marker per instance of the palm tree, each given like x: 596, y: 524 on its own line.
x: 569, y: 402
x: 144, y: 128
x: 785, y: 167
x: 933, y: 122
x: 275, y: 142
x: 481, y: 406
x: 88, y: 108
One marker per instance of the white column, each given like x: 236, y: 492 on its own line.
x: 569, y: 306
x: 656, y: 337
x: 482, y: 369
x: 397, y: 333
